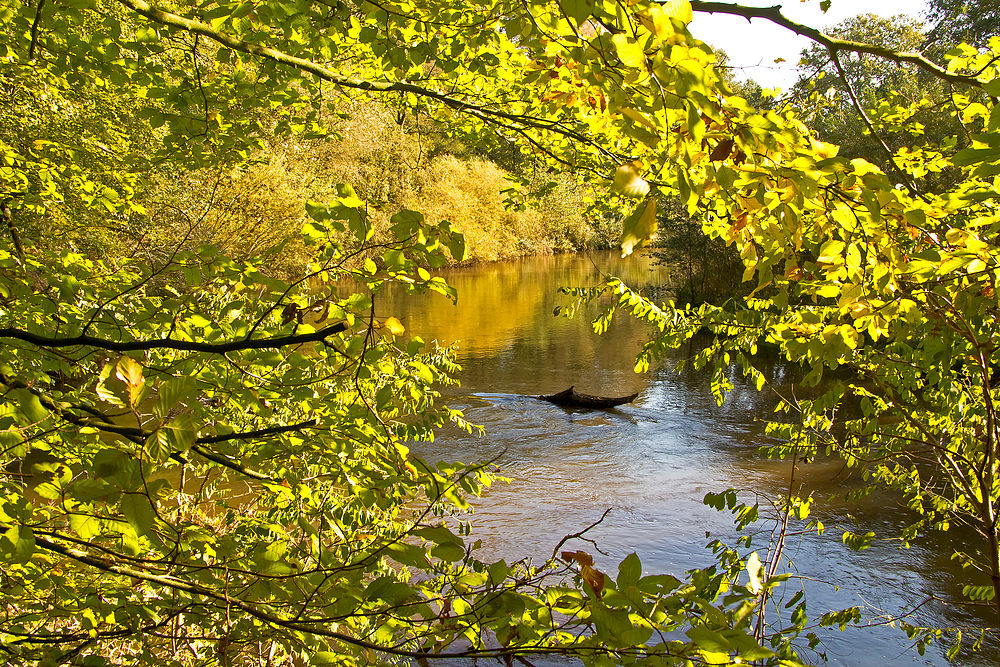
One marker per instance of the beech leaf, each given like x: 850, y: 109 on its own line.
x: 638, y: 228
x: 629, y: 51
x: 628, y: 182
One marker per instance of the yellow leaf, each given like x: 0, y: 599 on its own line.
x: 956, y: 236
x: 638, y: 228
x: 824, y: 150
x: 394, y: 326
x: 129, y: 371
x: 658, y: 22
x: 628, y: 182
x: 629, y: 51
x: 831, y: 252
x: 637, y: 117
x: 754, y: 568
x: 678, y: 9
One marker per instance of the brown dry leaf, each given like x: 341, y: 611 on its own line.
x: 593, y: 577
x: 581, y: 557
x: 722, y: 150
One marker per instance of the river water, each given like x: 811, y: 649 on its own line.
x: 652, y: 462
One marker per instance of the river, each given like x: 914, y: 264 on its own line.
x: 653, y: 461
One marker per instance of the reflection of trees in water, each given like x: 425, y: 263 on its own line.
x: 508, y: 335
x: 493, y: 306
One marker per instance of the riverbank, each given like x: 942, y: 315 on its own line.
x: 499, y: 201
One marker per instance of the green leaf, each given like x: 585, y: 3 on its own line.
x: 19, y: 542
x: 709, y: 640
x: 29, y: 405
x: 579, y: 10
x: 448, y: 552
x: 174, y: 393
x: 85, y: 525
x: 158, y: 445
x: 138, y: 512
x: 629, y: 571
x: 326, y: 659
x: 498, y: 572
x: 456, y: 246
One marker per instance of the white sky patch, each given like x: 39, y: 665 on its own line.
x: 753, y: 46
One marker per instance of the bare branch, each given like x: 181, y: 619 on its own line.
x: 774, y: 15
x: 34, y: 30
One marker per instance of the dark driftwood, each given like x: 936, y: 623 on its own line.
x: 574, y: 399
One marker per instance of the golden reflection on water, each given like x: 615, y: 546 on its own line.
x: 502, y: 303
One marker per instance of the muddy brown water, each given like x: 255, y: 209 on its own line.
x: 653, y: 461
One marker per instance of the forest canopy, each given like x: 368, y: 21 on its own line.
x: 204, y: 424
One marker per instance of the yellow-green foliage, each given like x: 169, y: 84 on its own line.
x: 255, y: 208
x: 469, y: 194
x: 373, y: 153
x: 562, y: 211
x: 243, y: 212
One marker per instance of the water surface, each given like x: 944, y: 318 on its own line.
x: 652, y: 462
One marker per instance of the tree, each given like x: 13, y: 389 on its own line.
x: 957, y: 21
x: 842, y: 87
x: 204, y: 463
x: 895, y: 286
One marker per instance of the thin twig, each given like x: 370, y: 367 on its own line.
x: 871, y: 126
x: 581, y: 534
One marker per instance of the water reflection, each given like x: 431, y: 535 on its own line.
x: 652, y: 461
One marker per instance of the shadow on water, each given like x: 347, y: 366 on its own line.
x: 653, y: 461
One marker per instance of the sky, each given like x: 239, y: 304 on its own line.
x: 754, y: 45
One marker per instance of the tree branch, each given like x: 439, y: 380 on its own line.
x: 12, y: 230
x: 870, y: 125
x: 305, y: 65
x: 304, y: 626
x: 138, y: 435
x: 259, y: 433
x: 34, y: 30
x: 774, y: 15
x: 173, y: 343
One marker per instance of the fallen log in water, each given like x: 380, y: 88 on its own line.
x: 574, y: 399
